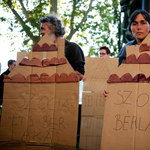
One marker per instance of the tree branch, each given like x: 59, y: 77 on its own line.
x: 27, y: 15
x: 24, y: 9
x: 72, y: 31
x: 73, y: 14
x: 28, y: 32
x: 53, y: 6
x: 86, y: 13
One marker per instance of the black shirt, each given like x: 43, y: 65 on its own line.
x: 2, y: 83
x: 75, y: 56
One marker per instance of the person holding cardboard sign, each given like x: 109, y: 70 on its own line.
x: 55, y: 29
x: 139, y: 26
x: 11, y: 66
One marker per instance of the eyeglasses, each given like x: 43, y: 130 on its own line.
x: 103, y: 53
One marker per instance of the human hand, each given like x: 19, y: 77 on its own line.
x: 79, y: 75
x: 84, y: 78
x: 105, y: 94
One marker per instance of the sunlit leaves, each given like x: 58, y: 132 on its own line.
x: 29, y: 23
x: 101, y: 25
x: 96, y: 27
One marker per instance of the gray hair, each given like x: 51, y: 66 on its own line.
x: 52, y: 19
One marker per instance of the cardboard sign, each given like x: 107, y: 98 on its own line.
x: 97, y: 71
x: 40, y: 102
x: 126, y: 118
x: 20, y: 56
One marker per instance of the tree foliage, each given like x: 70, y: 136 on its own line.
x: 90, y: 23
x: 24, y: 15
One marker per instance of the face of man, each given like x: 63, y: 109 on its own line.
x: 11, y: 67
x: 45, y: 29
x: 103, y: 53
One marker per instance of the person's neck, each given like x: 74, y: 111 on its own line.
x: 139, y: 41
x: 53, y: 37
x: 10, y: 69
x: 56, y: 40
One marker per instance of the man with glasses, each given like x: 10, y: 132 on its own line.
x: 104, y: 51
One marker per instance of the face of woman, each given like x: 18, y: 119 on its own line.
x: 140, y: 28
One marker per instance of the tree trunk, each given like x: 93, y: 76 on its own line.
x: 53, y: 6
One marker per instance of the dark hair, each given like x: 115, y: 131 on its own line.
x: 10, y: 62
x: 106, y: 48
x: 144, y: 13
x: 52, y: 19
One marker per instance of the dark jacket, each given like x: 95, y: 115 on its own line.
x: 122, y: 53
x: 75, y: 56
x: 2, y: 83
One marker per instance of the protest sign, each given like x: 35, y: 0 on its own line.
x: 40, y: 102
x: 126, y: 117
x: 97, y: 71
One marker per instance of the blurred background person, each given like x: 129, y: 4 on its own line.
x: 104, y: 51
x: 11, y: 66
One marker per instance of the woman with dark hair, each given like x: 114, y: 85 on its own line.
x: 139, y: 26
